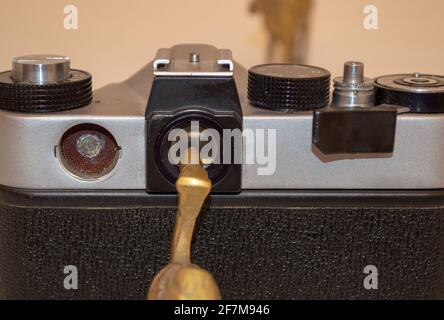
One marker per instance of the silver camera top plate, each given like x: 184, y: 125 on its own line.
x: 28, y: 144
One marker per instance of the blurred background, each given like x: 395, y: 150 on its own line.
x: 115, y: 38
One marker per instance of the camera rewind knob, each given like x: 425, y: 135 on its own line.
x: 288, y: 87
x: 44, y: 83
x: 421, y: 93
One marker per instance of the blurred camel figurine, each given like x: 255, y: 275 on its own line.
x: 287, y: 22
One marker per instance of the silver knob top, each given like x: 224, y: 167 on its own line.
x: 353, y: 89
x: 40, y: 69
x: 353, y: 72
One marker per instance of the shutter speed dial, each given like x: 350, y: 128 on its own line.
x: 44, y: 83
x: 288, y: 87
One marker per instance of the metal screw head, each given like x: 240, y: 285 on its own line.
x: 89, y: 145
x: 194, y: 57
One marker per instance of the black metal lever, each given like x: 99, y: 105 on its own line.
x: 355, y: 130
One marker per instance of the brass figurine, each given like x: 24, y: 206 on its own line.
x: 181, y: 279
x: 287, y: 22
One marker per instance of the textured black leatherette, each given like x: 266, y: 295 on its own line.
x: 254, y: 253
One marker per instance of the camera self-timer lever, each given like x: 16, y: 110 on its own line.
x: 181, y: 279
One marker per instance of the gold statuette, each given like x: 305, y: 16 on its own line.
x: 180, y: 279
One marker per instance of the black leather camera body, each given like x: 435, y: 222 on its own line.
x: 340, y: 200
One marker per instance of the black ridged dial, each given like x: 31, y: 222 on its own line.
x: 72, y: 93
x: 288, y: 87
x: 421, y: 93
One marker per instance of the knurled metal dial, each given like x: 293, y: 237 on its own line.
x: 44, y: 83
x: 421, y: 93
x: 288, y: 87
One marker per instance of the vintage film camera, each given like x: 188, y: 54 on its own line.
x: 86, y: 180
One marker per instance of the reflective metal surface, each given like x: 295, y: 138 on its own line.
x: 415, y: 83
x: 27, y: 143
x: 40, y: 69
x: 353, y: 89
x: 193, y: 60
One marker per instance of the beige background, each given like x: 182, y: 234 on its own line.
x: 117, y: 37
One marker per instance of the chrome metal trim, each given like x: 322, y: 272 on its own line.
x: 27, y: 144
x: 176, y: 62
